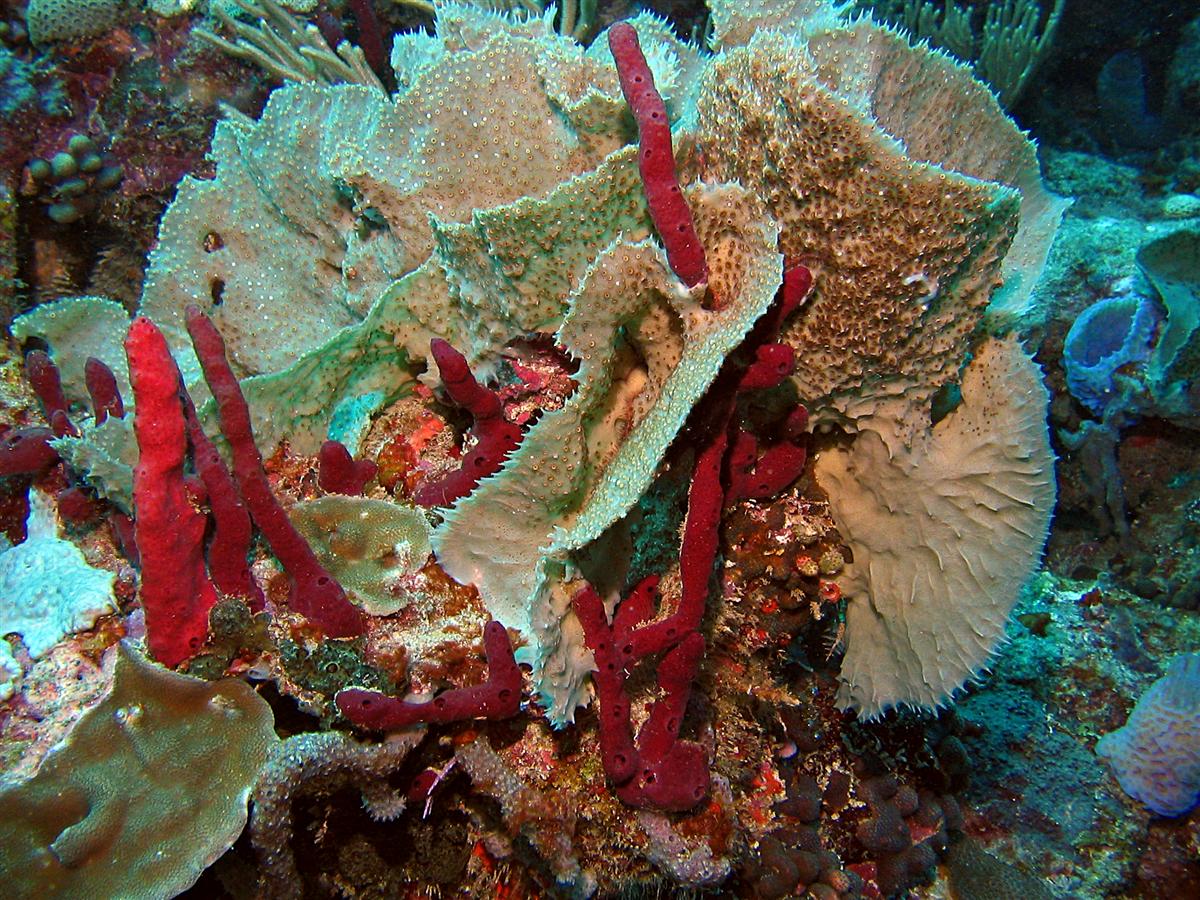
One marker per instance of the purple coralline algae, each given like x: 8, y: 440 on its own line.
x: 1156, y: 755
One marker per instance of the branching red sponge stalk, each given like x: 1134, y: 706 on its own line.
x: 656, y: 158
x: 672, y: 775
x: 316, y: 595
x: 752, y: 471
x: 494, y: 436
x: 43, y: 376
x: 497, y: 698
x: 658, y: 770
x: 613, y: 654
x: 27, y: 451
x: 229, y: 548
x: 756, y: 473
x: 340, y: 473
x: 175, y: 592
x: 697, y: 553
x: 102, y: 388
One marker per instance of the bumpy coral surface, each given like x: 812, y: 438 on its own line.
x: 1156, y: 755
x: 144, y: 775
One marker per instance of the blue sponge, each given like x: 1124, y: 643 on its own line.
x: 1108, y: 335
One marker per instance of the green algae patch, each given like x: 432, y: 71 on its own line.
x: 146, y: 792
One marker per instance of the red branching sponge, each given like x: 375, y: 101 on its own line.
x: 229, y: 549
x: 672, y: 774
x: 339, y: 473
x: 43, y: 376
x: 316, y: 595
x: 27, y: 451
x: 494, y: 436
x: 175, y: 592
x: 497, y: 698
x: 698, y: 552
x: 102, y: 388
x: 772, y: 364
x: 656, y: 158
x: 659, y: 770
x: 76, y: 506
x: 757, y: 474
x: 614, y: 657
x: 797, y: 282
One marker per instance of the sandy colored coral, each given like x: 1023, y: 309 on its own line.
x: 52, y: 21
x: 369, y: 546
x: 944, y: 534
x: 904, y: 254
x: 148, y: 789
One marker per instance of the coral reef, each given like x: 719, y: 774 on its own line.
x: 544, y: 466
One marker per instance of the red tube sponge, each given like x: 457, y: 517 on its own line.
x: 497, y: 698
x: 656, y: 158
x: 102, y: 388
x: 316, y: 595
x: 43, y: 376
x: 339, y: 473
x: 27, y: 451
x: 229, y: 549
x: 175, y: 592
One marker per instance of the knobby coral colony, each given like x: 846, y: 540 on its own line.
x: 800, y: 243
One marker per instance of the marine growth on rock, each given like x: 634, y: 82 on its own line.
x: 575, y: 394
